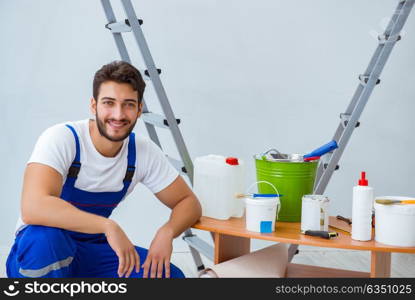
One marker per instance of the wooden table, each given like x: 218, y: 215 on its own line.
x: 232, y: 240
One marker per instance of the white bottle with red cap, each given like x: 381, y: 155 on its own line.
x: 217, y: 180
x: 362, y: 210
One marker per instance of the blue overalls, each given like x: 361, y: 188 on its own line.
x: 42, y: 251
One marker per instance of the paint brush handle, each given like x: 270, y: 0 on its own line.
x: 258, y: 195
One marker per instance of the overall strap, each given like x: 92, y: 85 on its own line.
x: 76, y: 164
x: 131, y: 157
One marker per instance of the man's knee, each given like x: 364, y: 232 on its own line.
x: 43, y: 249
x: 45, y: 237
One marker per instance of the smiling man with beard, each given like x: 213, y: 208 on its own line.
x: 78, y: 173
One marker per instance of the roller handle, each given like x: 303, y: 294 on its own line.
x: 323, y: 149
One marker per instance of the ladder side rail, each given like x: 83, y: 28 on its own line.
x: 360, y: 88
x: 158, y: 86
x: 387, y: 31
x: 122, y: 49
x: 395, y: 28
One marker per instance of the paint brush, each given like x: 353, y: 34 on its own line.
x: 390, y: 201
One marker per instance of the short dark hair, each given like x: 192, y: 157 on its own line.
x: 121, y: 72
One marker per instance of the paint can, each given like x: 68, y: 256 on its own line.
x: 261, y: 212
x: 395, y: 223
x: 314, y: 213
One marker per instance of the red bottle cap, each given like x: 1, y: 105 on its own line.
x: 363, y: 181
x: 233, y: 161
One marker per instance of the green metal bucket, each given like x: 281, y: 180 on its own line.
x: 293, y: 178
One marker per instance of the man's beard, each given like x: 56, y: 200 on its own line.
x: 103, y: 132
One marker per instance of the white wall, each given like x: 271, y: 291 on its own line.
x: 244, y: 76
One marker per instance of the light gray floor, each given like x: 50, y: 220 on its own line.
x: 403, y: 265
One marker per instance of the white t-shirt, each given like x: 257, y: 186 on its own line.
x: 56, y: 148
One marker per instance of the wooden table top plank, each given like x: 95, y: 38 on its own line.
x: 288, y: 232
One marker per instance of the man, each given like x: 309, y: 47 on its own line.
x: 78, y: 173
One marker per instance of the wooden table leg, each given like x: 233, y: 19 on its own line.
x: 380, y: 265
x: 228, y: 247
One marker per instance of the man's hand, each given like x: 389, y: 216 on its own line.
x: 125, y: 250
x: 159, y: 254
x: 186, y: 210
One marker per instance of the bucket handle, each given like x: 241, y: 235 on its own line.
x: 273, y: 150
x: 273, y: 186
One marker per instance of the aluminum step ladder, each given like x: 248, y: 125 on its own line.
x: 184, y: 165
x: 367, y: 82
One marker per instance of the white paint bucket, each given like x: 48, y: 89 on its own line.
x: 261, y: 213
x: 395, y: 223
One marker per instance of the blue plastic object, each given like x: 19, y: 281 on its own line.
x: 266, y: 227
x: 265, y: 195
x: 323, y: 149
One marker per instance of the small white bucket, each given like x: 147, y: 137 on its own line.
x: 261, y: 213
x: 395, y: 223
x: 314, y: 213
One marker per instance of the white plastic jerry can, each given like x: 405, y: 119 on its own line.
x: 217, y: 180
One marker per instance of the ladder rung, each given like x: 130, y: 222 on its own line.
x: 385, y: 38
x: 157, y: 120
x: 147, y: 74
x: 345, y: 120
x: 118, y: 27
x: 177, y: 164
x: 365, y: 78
x: 335, y: 169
